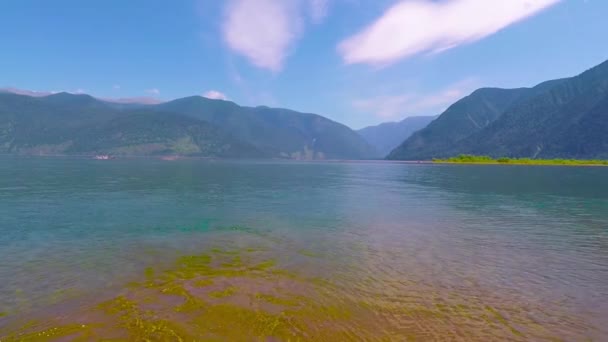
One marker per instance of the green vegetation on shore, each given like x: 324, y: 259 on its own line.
x: 471, y: 159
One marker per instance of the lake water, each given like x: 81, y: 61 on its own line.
x: 145, y: 248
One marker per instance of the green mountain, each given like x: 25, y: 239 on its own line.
x: 569, y: 120
x: 465, y: 117
x: 80, y: 124
x: 279, y: 132
x: 155, y: 133
x: 559, y: 118
x: 386, y: 136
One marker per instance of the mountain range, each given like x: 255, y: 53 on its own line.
x: 126, y: 100
x: 65, y: 123
x: 564, y: 118
x: 386, y: 136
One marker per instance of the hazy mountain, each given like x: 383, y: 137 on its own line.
x: 143, y: 100
x: 559, y: 118
x: 279, y: 132
x: 386, y: 136
x: 66, y: 123
x: 25, y: 92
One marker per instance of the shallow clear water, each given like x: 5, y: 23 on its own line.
x: 527, y: 243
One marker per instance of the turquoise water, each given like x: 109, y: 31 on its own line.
x: 73, y: 230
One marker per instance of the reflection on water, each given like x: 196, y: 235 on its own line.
x: 146, y: 248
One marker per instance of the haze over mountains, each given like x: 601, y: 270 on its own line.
x: 386, y: 136
x: 66, y: 123
x: 565, y: 118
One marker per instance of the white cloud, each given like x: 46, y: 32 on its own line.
x: 264, y: 31
x: 398, y: 106
x: 77, y: 91
x: 153, y: 91
x: 411, y: 27
x: 116, y: 86
x: 215, y: 95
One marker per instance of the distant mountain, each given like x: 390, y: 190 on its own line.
x: 386, y: 136
x: 67, y: 123
x: 80, y: 124
x: 561, y: 118
x: 25, y: 92
x: 143, y: 100
x: 279, y: 132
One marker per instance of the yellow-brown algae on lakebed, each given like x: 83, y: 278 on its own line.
x: 233, y: 295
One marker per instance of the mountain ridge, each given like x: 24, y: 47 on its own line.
x: 534, y: 128
x: 536, y: 123
x: 143, y: 100
x: 301, y: 133
x: 466, y: 116
x: 66, y: 123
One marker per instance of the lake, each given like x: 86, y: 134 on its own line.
x: 146, y: 248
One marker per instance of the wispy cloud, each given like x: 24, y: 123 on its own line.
x: 138, y: 100
x: 153, y: 91
x: 215, y: 95
x: 252, y: 92
x: 422, y: 26
x: 264, y: 31
x: 399, y: 106
x: 116, y: 86
x: 318, y: 9
x: 387, y: 107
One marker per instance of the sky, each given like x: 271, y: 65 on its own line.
x: 359, y: 62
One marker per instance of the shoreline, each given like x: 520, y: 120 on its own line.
x: 486, y: 160
x: 514, y: 164
x: 449, y: 161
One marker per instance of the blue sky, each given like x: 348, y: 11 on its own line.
x: 359, y: 62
